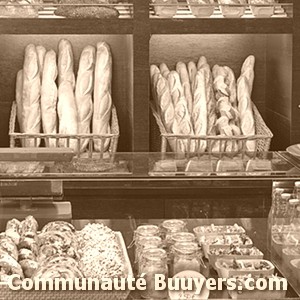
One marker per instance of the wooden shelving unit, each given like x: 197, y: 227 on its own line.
x: 277, y: 102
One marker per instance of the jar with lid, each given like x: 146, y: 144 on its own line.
x: 146, y: 243
x: 154, y: 261
x: 143, y: 231
x: 169, y: 227
x: 186, y: 257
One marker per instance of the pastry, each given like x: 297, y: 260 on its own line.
x: 83, y: 92
x: 30, y: 244
x: 13, y: 230
x: 26, y: 254
x: 49, y: 96
x: 29, y: 267
x: 58, y: 226
x: 8, y: 246
x: 102, y: 95
x: 29, y: 227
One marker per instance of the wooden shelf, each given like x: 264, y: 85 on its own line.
x: 206, y: 26
x: 66, y: 26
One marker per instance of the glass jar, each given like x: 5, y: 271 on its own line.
x: 186, y: 257
x: 169, y: 227
x: 165, y: 8
x: 141, y: 232
x: 146, y: 243
x: 297, y: 190
x: 154, y: 261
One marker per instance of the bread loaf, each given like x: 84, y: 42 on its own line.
x: 19, y: 94
x: 102, y: 94
x: 164, y: 70
x: 201, y: 62
x: 199, y: 115
x: 248, y: 71
x: 65, y: 63
x: 246, y: 111
x: 231, y: 82
x: 49, y: 96
x: 83, y: 92
x: 182, y: 116
x: 154, y: 76
x: 167, y: 111
x: 192, y: 69
x: 41, y: 52
x: 185, y: 82
x: 67, y: 114
x: 31, y: 110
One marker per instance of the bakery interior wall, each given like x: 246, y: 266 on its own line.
x: 272, y: 92
x: 11, y: 60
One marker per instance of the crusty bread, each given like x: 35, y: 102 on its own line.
x: 192, y: 69
x: 67, y: 114
x: 83, y: 92
x: 248, y: 71
x: 164, y: 70
x: 199, y: 115
x: 19, y: 94
x: 49, y: 96
x: 165, y: 103
x: 231, y: 86
x: 185, y: 82
x: 102, y: 94
x: 41, y: 52
x: 31, y: 110
x: 65, y: 62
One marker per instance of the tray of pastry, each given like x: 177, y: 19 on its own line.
x: 58, y: 250
x: 185, y: 9
x: 222, y: 164
x: 74, y: 9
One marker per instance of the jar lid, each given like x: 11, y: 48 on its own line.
x: 155, y: 254
x: 170, y: 224
x: 297, y: 184
x: 279, y: 190
x: 294, y: 201
x: 183, y: 237
x: 286, y: 196
x: 150, y: 240
x: 147, y: 230
x: 186, y: 247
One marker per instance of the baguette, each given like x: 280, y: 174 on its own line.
x: 41, y: 52
x: 182, y: 116
x: 65, y: 63
x: 49, y: 96
x: 165, y: 103
x: 192, y: 69
x: 185, y: 82
x: 202, y: 61
x: 154, y: 76
x: 31, y: 110
x: 220, y: 87
x: 248, y: 71
x: 83, y: 92
x: 19, y: 92
x: 67, y: 114
x: 231, y: 87
x: 246, y: 111
x: 164, y: 70
x: 102, y: 94
x: 199, y: 115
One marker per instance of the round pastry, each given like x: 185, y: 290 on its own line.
x: 13, y: 230
x: 57, y: 271
x: 29, y: 266
x: 60, y: 260
x: 7, y: 245
x: 29, y: 243
x: 58, y: 226
x: 26, y: 254
x: 9, y: 266
x: 29, y: 227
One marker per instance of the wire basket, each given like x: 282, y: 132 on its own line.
x: 16, y: 138
x: 172, y: 142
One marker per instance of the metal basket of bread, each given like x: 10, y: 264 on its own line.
x: 53, y: 108
x: 59, y: 252
x: 201, y: 110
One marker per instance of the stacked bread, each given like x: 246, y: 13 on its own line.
x: 197, y: 101
x: 51, y: 99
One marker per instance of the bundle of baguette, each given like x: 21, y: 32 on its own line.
x: 50, y: 99
x: 197, y: 101
x: 59, y: 251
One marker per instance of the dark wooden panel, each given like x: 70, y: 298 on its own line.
x: 187, y: 26
x: 296, y: 75
x: 66, y: 26
x: 5, y: 108
x: 280, y: 126
x: 279, y: 74
x: 11, y: 60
